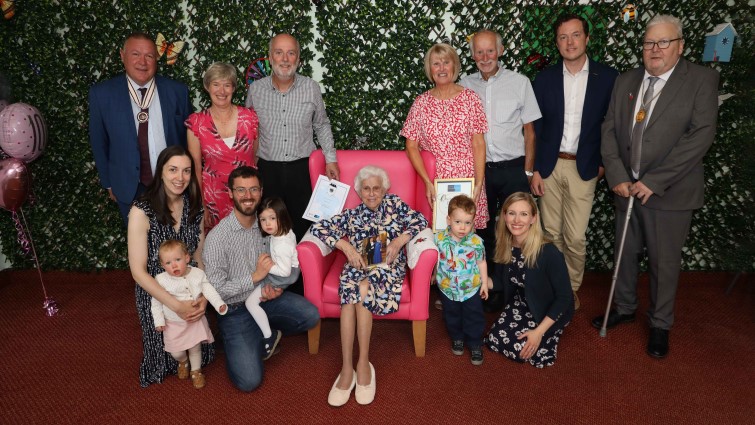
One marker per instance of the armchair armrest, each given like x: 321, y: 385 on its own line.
x: 422, y: 255
x: 420, y: 243
x: 314, y: 266
x: 420, y: 278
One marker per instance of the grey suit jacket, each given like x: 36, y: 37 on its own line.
x: 680, y: 131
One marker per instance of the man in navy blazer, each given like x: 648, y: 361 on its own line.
x: 113, y: 109
x: 665, y: 174
x: 573, y: 96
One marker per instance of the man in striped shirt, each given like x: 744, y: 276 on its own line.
x: 291, y: 112
x: 236, y: 260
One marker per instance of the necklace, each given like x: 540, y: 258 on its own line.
x: 642, y: 113
x: 219, y: 118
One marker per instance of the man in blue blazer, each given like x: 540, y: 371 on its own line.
x: 116, y: 110
x: 573, y: 96
x: 661, y: 165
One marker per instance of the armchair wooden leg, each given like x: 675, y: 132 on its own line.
x: 313, y: 336
x: 419, y: 330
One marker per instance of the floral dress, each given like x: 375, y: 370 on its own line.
x: 445, y: 129
x: 393, y: 217
x: 218, y: 160
x: 517, y: 319
x: 156, y: 362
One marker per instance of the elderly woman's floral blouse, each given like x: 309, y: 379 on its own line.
x: 393, y: 217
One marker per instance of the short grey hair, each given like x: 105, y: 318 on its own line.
x: 371, y: 171
x: 498, y: 39
x: 219, y: 71
x: 667, y: 19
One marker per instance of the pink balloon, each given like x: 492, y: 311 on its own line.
x: 15, y: 182
x: 23, y: 133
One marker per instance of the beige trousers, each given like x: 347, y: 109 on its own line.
x: 565, y: 208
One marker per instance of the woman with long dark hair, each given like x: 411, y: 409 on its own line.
x: 170, y: 208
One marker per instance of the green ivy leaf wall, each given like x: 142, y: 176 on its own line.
x: 370, y: 54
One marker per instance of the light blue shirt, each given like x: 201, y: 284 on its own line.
x: 509, y: 103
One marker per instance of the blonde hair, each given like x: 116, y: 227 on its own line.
x: 170, y: 244
x: 442, y: 51
x: 534, y: 241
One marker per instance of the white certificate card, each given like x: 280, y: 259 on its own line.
x: 328, y: 198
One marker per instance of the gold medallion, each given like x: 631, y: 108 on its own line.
x: 640, y: 115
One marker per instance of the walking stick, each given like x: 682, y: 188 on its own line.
x: 616, y: 269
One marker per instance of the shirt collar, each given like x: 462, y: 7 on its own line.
x: 494, y: 76
x: 665, y: 76
x: 466, y: 238
x: 585, y: 67
x: 134, y: 84
x: 293, y: 85
x: 236, y: 224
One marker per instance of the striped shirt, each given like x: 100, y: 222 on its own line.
x: 289, y: 121
x: 230, y: 257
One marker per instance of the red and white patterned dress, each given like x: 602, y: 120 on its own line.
x: 445, y: 129
x: 219, y: 160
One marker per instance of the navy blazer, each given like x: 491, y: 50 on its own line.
x: 112, y: 131
x: 547, y: 287
x: 549, y: 91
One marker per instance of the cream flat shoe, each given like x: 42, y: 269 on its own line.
x: 366, y: 393
x: 339, y: 397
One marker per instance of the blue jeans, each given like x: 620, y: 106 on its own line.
x: 242, y: 338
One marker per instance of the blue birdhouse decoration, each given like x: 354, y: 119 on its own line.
x: 718, y: 43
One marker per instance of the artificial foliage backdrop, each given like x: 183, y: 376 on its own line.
x: 371, y: 57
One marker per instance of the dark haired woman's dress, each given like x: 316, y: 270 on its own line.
x: 156, y: 362
x: 516, y: 319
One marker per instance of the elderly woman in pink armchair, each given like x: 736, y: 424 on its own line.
x: 369, y: 284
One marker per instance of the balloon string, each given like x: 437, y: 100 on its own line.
x: 33, y: 251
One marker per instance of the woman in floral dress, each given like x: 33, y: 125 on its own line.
x: 223, y: 137
x: 537, y: 294
x: 367, y: 289
x: 449, y: 121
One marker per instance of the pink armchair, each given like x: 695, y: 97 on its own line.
x: 321, y: 268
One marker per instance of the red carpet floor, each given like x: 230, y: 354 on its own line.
x: 81, y: 367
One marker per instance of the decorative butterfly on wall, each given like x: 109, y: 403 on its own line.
x: 257, y: 70
x: 8, y: 7
x: 171, y: 50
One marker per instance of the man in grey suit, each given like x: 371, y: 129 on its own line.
x: 661, y: 121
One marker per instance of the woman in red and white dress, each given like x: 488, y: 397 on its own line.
x: 448, y: 121
x: 220, y: 138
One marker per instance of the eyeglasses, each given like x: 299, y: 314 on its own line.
x: 242, y: 190
x: 663, y: 44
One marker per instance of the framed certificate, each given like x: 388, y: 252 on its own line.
x: 445, y: 190
x: 328, y: 198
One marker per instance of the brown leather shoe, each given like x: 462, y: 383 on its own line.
x: 183, y: 369
x: 197, y: 378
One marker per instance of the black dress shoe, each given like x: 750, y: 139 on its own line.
x: 658, y: 343
x: 614, y: 319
